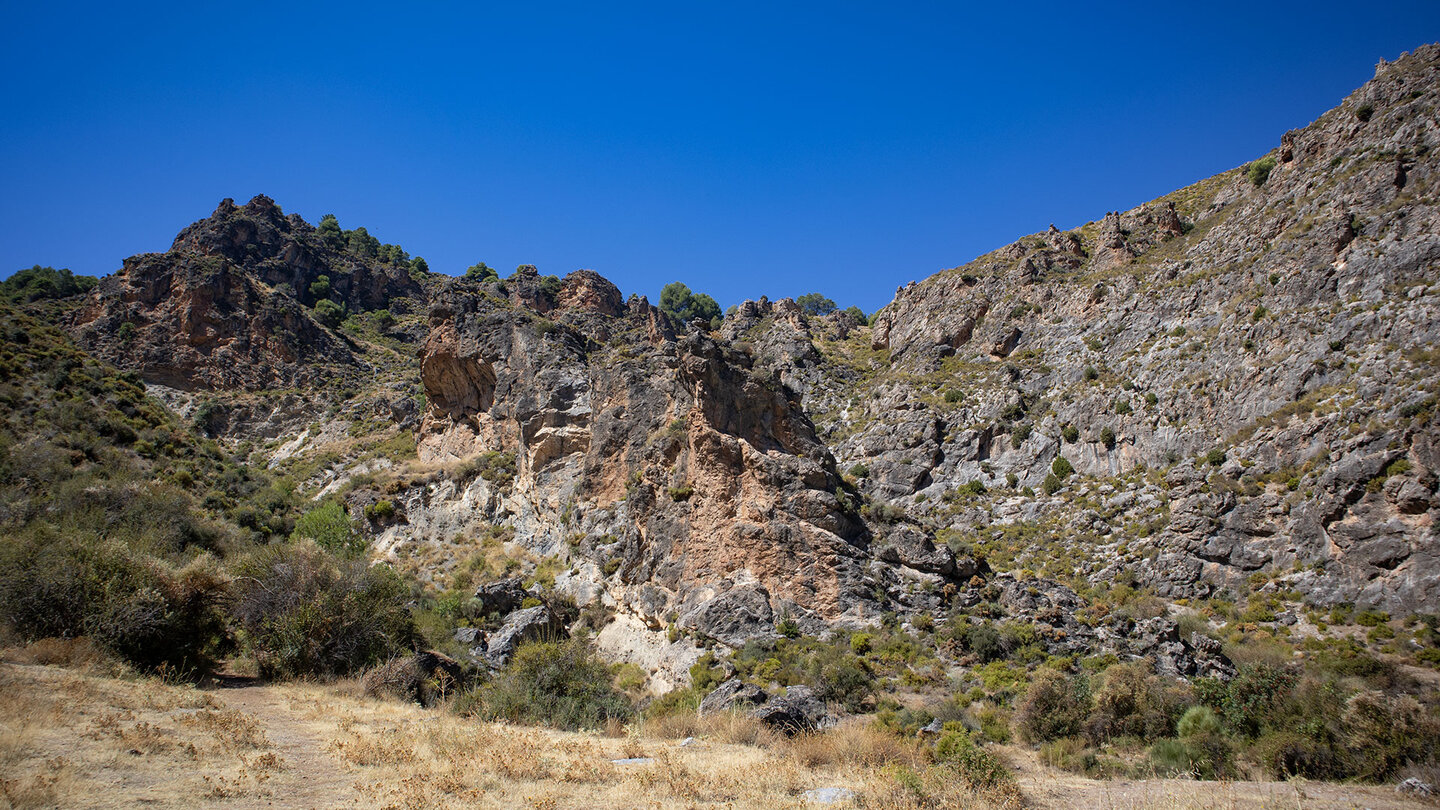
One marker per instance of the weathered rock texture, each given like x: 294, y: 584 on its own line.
x: 682, y: 484
x: 1286, y: 322
x: 230, y: 305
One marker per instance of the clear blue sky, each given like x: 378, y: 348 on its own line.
x: 744, y: 148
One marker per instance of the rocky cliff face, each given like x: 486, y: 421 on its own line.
x: 231, y: 305
x: 681, y: 484
x: 1242, y: 373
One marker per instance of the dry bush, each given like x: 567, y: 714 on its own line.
x: 370, y: 748
x: 234, y: 730
x: 40, y: 790
x: 859, y: 745
x: 936, y: 787
x: 397, y: 679
x: 71, y: 653
x: 722, y: 727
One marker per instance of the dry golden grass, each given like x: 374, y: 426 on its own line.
x: 89, y: 739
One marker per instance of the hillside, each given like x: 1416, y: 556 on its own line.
x: 1155, y: 495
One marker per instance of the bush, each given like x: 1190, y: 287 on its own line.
x: 1052, y: 484
x: 1259, y: 171
x: 305, y: 612
x: 1070, y: 434
x: 677, y: 301
x: 329, y: 312
x: 1061, y: 467
x: 1383, y: 733
x: 1198, y: 720
x: 839, y: 677
x: 1055, y: 706
x: 480, y: 271
x: 1132, y: 701
x: 1248, y: 703
x: 1215, y: 457
x: 559, y: 684
x: 329, y: 525
x: 380, y: 510
x: 1107, y: 438
x: 136, y: 608
x: 1364, y: 112
x: 1286, y: 754
x: 978, y: 767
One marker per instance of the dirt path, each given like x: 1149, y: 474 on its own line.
x: 309, y: 775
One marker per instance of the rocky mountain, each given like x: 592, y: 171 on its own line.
x: 1242, y: 375
x: 1225, y: 394
x: 231, y: 305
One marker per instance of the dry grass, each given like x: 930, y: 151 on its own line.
x: 63, y: 734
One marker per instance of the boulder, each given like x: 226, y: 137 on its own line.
x: 798, y: 710
x: 501, y: 597
x: 732, y: 694
x: 538, y: 623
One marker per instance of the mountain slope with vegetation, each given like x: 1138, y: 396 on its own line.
x: 1153, y: 496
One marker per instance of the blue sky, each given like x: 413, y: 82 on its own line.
x: 746, y: 149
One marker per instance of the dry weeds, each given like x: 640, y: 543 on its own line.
x: 86, y: 739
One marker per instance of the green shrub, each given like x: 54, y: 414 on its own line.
x: 329, y: 525
x: 1122, y: 406
x: 1215, y: 457
x: 788, y: 628
x: 561, y: 684
x: 482, y: 272
x: 329, y: 312
x: 1107, y: 437
x: 1070, y: 754
x: 1198, y: 720
x: 705, y: 675
x: 38, y: 283
x: 1364, y: 112
x: 1171, y: 758
x: 1051, y: 484
x: 1371, y: 618
x: 860, y: 643
x: 1070, y: 434
x: 1259, y: 171
x: 976, y: 765
x: 1248, y: 703
x: 1131, y: 701
x: 496, y: 466
x: 306, y: 612
x: 815, y: 304
x: 380, y: 510
x: 1091, y: 373
x: 1061, y: 467
x: 677, y: 301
